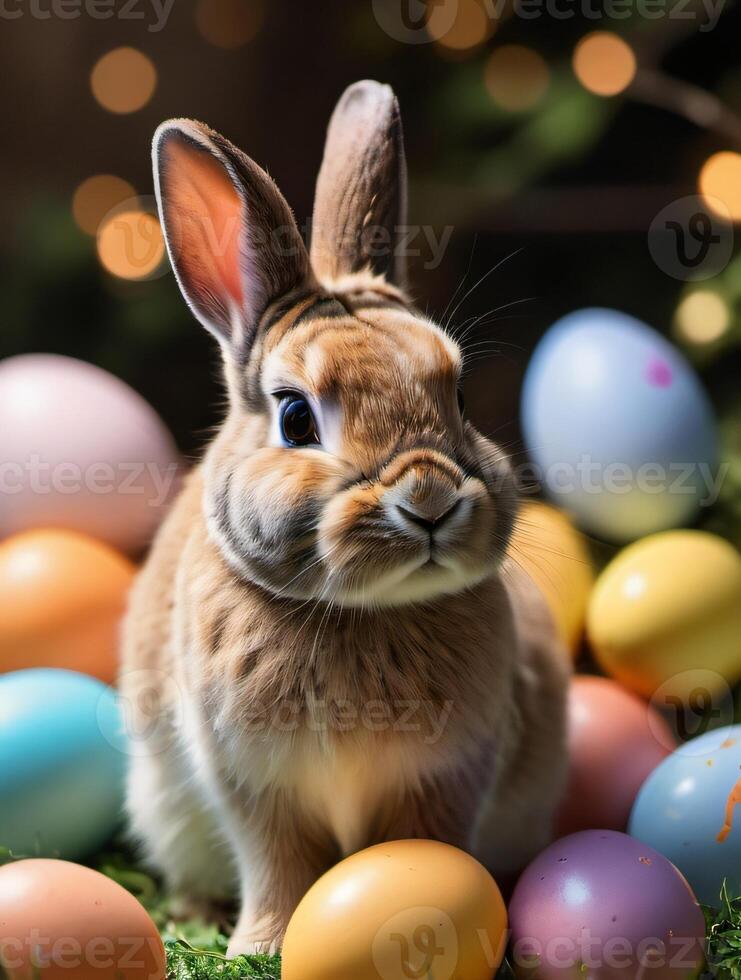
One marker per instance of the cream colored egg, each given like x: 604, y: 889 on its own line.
x: 404, y: 909
x: 555, y: 555
x: 666, y: 612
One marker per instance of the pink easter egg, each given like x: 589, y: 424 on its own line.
x: 79, y: 449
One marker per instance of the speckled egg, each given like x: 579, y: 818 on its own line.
x: 618, y: 425
x: 62, y: 597
x: 403, y: 909
x: 602, y: 905
x: 666, y: 607
x: 688, y: 809
x: 555, y: 555
x: 81, y: 450
x: 62, y: 763
x: 60, y: 921
x: 615, y: 741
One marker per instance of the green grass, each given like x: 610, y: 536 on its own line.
x: 195, y: 950
x: 207, y: 961
x: 724, y: 937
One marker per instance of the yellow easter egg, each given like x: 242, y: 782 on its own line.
x: 413, y: 908
x: 667, y: 611
x: 555, y: 555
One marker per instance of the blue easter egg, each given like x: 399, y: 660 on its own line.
x: 688, y: 810
x: 620, y: 430
x: 62, y: 763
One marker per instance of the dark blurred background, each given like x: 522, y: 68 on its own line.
x: 544, y: 140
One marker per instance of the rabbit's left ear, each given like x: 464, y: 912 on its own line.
x: 232, y: 239
x: 360, y: 207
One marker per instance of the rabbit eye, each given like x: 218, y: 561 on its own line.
x: 297, y: 424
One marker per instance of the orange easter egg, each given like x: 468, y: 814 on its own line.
x: 407, y: 908
x: 61, y: 921
x: 62, y: 596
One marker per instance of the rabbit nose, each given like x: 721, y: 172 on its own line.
x: 432, y: 519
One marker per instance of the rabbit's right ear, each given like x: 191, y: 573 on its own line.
x: 232, y: 239
x: 360, y: 206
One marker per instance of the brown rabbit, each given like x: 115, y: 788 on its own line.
x: 328, y: 646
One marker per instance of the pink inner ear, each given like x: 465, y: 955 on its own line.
x: 205, y: 214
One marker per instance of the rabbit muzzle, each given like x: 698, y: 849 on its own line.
x: 424, y: 498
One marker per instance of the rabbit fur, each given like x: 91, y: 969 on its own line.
x: 329, y: 646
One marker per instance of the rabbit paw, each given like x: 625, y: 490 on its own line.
x: 263, y: 934
x: 240, y: 945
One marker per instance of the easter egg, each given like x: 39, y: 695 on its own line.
x: 666, y: 606
x: 615, y: 741
x: 62, y: 763
x: 687, y: 809
x: 602, y: 905
x: 618, y: 426
x: 62, y: 921
x: 555, y: 555
x: 81, y: 450
x: 62, y: 596
x: 406, y: 908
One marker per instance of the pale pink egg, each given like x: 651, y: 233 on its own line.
x: 79, y: 449
x: 615, y: 741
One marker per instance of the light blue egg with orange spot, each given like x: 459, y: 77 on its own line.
x: 62, y: 763
x: 620, y: 429
x: 689, y: 809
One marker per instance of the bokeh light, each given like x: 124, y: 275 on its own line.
x: 229, y: 23
x: 459, y: 25
x: 702, y: 317
x: 130, y: 244
x: 604, y: 63
x: 95, y: 197
x: 720, y: 181
x: 123, y: 80
x: 516, y: 77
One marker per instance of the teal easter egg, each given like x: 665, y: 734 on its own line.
x: 688, y: 809
x: 62, y: 763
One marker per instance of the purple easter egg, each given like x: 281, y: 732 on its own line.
x: 600, y: 905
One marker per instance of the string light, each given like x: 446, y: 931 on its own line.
x: 720, y: 181
x: 130, y: 244
x: 95, y: 197
x: 604, y: 63
x: 702, y: 317
x: 516, y: 77
x: 470, y: 26
x: 123, y: 80
x: 229, y: 23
